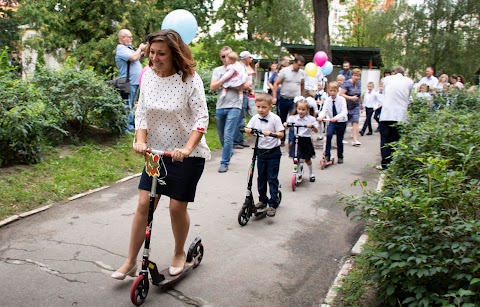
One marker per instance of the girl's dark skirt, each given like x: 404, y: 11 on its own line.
x: 181, y: 178
x: 305, y: 148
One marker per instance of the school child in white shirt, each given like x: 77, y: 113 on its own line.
x: 303, y: 114
x: 269, y: 154
x: 334, y: 108
x: 371, y: 100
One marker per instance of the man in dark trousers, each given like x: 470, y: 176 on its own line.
x: 397, y: 92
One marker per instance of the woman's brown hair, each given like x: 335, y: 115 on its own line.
x: 181, y: 54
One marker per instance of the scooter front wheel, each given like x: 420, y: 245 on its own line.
x: 244, y: 215
x: 294, y: 182
x: 279, y: 197
x: 139, y: 290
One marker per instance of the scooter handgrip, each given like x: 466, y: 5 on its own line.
x: 160, y: 152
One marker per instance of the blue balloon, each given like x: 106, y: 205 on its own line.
x: 327, y: 68
x: 183, y: 22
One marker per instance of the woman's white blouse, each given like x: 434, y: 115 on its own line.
x: 169, y: 109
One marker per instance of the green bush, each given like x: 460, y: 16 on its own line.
x: 25, y: 119
x: 81, y: 99
x: 206, y: 75
x: 424, y: 225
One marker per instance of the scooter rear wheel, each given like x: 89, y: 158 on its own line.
x: 139, y: 290
x: 322, y: 164
x: 279, y: 197
x: 294, y: 182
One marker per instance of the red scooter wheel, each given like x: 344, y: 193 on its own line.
x: 294, y: 182
x: 139, y: 290
x: 322, y: 164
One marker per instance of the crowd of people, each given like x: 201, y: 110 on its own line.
x: 172, y: 115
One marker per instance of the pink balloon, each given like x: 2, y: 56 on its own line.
x: 320, y: 58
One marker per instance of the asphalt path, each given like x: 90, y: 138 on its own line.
x: 64, y: 256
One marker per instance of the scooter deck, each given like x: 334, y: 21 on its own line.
x: 163, y: 278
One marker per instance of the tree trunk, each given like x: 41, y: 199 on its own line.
x: 321, y: 36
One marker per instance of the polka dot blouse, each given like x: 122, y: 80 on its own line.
x: 169, y: 109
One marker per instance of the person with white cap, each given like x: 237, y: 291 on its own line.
x: 246, y: 58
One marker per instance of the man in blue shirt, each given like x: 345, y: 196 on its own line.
x: 346, y: 71
x: 125, y: 54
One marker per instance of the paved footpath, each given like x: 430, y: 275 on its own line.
x: 64, y: 255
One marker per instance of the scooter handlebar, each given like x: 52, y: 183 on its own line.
x: 159, y: 152
x: 295, y: 125
x: 259, y: 132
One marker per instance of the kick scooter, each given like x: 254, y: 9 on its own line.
x: 139, y: 290
x: 323, y: 162
x: 248, y: 208
x: 297, y: 175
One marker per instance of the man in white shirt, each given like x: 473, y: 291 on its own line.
x: 430, y: 80
x: 397, y: 91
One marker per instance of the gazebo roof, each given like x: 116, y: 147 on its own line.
x: 357, y: 56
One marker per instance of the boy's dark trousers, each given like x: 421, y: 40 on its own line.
x: 339, y: 130
x: 268, y: 165
x: 376, y: 115
x: 368, y: 121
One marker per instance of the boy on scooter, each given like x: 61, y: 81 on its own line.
x: 335, y: 108
x: 269, y: 154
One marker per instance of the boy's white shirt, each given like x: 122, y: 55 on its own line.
x: 371, y: 99
x: 340, y: 105
x: 274, y: 124
x: 307, y: 119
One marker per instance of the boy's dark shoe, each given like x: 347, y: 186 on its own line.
x: 260, y: 205
x: 369, y: 133
x: 362, y: 133
x: 327, y: 158
x: 340, y: 160
x: 271, y: 211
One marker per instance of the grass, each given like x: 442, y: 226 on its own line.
x: 356, y: 289
x: 69, y: 170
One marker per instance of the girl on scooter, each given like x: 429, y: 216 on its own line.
x: 303, y: 114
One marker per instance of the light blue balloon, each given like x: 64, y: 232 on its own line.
x: 327, y: 68
x: 183, y: 22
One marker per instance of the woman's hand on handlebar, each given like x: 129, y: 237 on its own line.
x: 178, y: 154
x: 140, y: 148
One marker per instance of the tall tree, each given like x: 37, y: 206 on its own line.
x: 355, y: 32
x: 321, y: 34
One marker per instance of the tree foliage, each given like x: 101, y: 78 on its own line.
x: 443, y: 34
x: 87, y: 29
x: 262, y: 25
